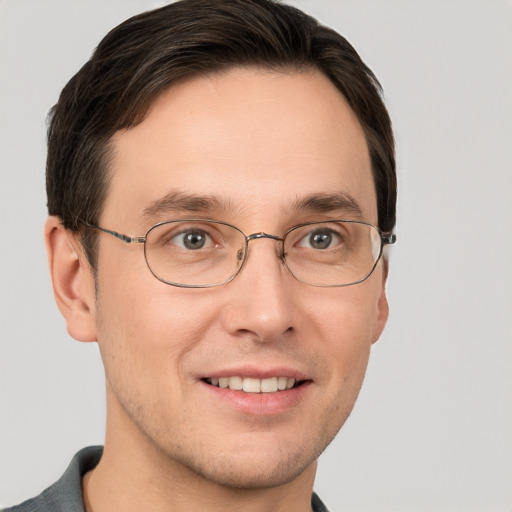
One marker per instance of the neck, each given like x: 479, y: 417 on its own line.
x: 135, y: 475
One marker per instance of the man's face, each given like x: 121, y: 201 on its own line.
x: 257, y: 143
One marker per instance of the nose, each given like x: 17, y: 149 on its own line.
x: 259, y: 302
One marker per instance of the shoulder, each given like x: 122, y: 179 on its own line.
x: 65, y: 495
x: 317, y: 505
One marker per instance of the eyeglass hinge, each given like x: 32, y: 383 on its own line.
x: 389, y: 238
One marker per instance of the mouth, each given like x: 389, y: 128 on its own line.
x: 257, y: 392
x: 253, y: 385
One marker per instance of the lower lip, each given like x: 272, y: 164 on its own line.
x: 259, y: 404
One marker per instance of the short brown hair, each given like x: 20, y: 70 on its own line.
x: 140, y: 58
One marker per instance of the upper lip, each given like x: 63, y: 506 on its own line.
x: 258, y: 372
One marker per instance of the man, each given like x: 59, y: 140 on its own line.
x: 221, y: 186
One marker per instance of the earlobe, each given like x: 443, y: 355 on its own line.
x: 382, y: 308
x: 72, y: 279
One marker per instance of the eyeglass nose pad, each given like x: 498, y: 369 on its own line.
x: 242, y: 254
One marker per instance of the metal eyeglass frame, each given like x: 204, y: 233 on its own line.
x: 385, y: 239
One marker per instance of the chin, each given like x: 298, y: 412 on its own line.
x: 254, y: 464
x: 244, y: 474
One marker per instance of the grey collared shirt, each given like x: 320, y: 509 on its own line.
x: 65, y: 495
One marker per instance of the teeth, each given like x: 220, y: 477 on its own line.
x: 235, y: 383
x: 250, y: 385
x: 282, y: 383
x: 269, y: 385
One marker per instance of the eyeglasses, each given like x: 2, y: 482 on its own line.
x: 201, y: 253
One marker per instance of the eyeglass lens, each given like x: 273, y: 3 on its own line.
x: 208, y: 253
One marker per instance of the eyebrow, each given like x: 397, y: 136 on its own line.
x: 341, y: 202
x: 177, y: 201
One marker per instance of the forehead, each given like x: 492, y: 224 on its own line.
x: 256, y: 140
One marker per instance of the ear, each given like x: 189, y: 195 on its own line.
x: 72, y: 279
x: 382, y: 306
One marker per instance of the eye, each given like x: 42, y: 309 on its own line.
x: 192, y: 239
x: 323, y: 238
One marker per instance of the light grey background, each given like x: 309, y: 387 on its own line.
x: 432, y: 430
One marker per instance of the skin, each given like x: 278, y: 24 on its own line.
x: 259, y: 140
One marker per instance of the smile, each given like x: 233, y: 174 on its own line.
x: 252, y: 385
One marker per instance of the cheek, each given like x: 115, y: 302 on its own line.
x: 343, y: 320
x: 345, y: 316
x: 146, y: 335
x: 145, y: 324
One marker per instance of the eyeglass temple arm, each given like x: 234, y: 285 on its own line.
x: 120, y: 236
x: 387, y: 238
